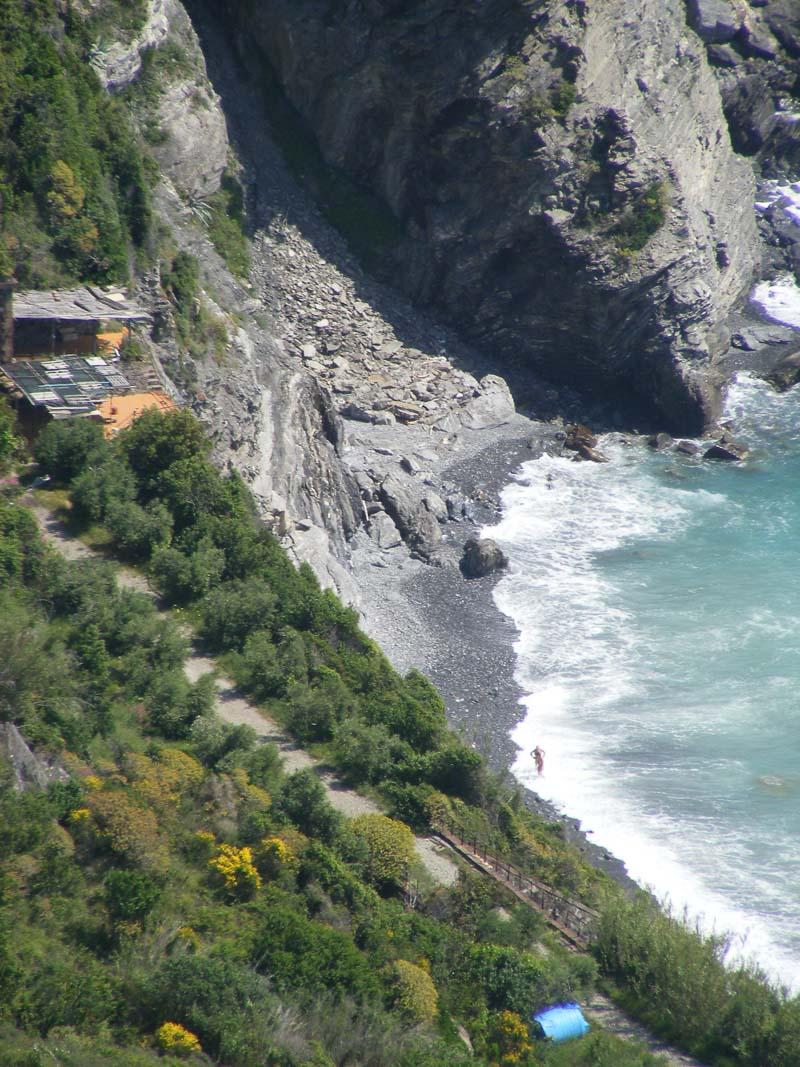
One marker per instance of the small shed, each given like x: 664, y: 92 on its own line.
x: 69, y: 321
x: 563, y: 1022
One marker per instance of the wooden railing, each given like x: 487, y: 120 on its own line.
x: 573, y: 920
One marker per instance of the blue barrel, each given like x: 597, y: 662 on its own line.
x: 562, y: 1023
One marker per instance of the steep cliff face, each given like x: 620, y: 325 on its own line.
x: 562, y: 171
x: 267, y: 419
x: 754, y: 48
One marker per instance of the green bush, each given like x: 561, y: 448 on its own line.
x: 643, y: 219
x: 155, y: 441
x: 226, y: 225
x: 676, y: 977
x: 303, y: 801
x: 65, y: 447
x: 315, y: 710
x: 457, y: 770
x: 93, y: 492
x: 214, y: 997
x: 138, y: 531
x: 298, y: 954
x: 414, y: 993
x: 368, y: 754
x: 389, y: 849
x: 10, y: 444
x: 181, y: 578
x: 602, y: 1050
x: 519, y: 981
x: 68, y: 991
x: 130, y: 895
x: 231, y: 612
x: 75, y: 198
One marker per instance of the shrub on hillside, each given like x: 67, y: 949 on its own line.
x: 369, y: 753
x: 130, y: 895
x: 316, y: 709
x: 138, y: 531
x: 298, y: 954
x: 303, y: 801
x: 413, y: 992
x: 65, y: 447
x: 128, y: 830
x: 235, y: 872
x: 231, y: 612
x: 390, y: 849
x: 157, y: 440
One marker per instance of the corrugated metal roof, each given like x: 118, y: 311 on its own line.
x: 87, y: 304
x: 70, y: 386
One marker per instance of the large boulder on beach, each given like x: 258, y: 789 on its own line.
x: 415, y: 517
x: 786, y: 373
x: 659, y: 442
x: 482, y: 557
x: 580, y: 440
x: 578, y: 437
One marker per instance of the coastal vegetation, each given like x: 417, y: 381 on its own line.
x: 74, y: 193
x: 175, y: 886
x: 173, y: 894
x: 642, y: 219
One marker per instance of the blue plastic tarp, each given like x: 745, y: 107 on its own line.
x: 562, y: 1023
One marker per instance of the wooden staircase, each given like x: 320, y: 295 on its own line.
x: 574, y: 921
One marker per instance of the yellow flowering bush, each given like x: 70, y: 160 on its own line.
x: 92, y: 782
x: 164, y: 780
x: 180, y: 769
x: 233, y: 867
x: 172, y: 1037
x: 203, y: 844
x: 438, y: 809
x: 273, y: 855
x: 128, y: 829
x: 508, y: 1039
x: 189, y: 937
x: 79, y: 815
x: 414, y: 992
x: 257, y: 798
x: 240, y: 776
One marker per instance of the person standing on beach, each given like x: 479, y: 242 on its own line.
x: 538, y: 756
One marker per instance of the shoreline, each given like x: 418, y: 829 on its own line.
x: 449, y: 627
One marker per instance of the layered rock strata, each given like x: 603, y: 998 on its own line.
x: 562, y: 172
x: 317, y: 354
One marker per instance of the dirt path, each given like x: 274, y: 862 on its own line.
x: 234, y: 708
x: 606, y: 1014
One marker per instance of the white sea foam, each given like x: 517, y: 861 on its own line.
x: 625, y: 749
x: 672, y: 745
x: 779, y: 299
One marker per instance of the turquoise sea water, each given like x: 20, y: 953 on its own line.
x: 658, y: 603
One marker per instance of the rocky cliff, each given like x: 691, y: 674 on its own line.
x: 754, y: 48
x: 562, y: 171
x: 309, y: 344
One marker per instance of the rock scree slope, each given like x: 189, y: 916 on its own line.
x: 562, y: 173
